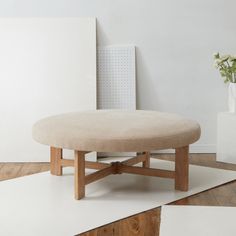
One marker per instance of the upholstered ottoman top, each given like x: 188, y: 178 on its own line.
x: 115, y: 130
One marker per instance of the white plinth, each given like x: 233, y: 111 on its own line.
x: 226, y: 137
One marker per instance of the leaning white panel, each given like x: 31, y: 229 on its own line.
x: 116, y: 77
x: 116, y: 80
x: 48, y: 66
x: 197, y: 220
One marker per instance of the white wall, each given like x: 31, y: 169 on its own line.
x: 175, y: 41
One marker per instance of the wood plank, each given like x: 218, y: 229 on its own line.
x: 133, y: 226
x: 143, y: 224
x: 44, y: 167
x: 67, y: 162
x: 17, y: 169
x: 30, y: 168
x: 10, y: 171
x: 100, y: 174
x: 205, y: 159
x: 96, y: 165
x: 88, y: 164
x: 147, y: 171
x: 106, y: 231
x: 55, y: 161
x: 1, y: 165
x: 135, y: 160
x: 89, y: 233
x: 79, y: 175
x: 181, y: 168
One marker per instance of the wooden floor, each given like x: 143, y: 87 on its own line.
x: 146, y: 223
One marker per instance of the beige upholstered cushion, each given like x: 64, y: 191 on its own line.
x: 114, y: 130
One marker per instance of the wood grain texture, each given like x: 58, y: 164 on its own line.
x: 88, y: 164
x: 96, y: 165
x: 147, y: 171
x: 146, y: 223
x: 79, y: 175
x: 143, y: 224
x: 14, y: 170
x: 67, y: 162
x: 181, y: 168
x: 99, y: 174
x: 55, y: 161
x: 135, y: 160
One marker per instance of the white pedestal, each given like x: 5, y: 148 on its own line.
x: 226, y: 137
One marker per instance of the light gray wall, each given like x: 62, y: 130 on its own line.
x: 175, y: 41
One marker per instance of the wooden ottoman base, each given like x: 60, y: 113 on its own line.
x: 104, y: 169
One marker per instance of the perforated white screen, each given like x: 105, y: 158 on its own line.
x: 116, y: 77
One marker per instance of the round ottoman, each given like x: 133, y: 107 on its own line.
x: 117, y: 131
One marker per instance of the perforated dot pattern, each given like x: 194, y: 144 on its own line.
x: 116, y: 87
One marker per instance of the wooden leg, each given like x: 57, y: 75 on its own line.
x: 181, y: 168
x: 55, y: 161
x: 79, y: 174
x: 146, y: 163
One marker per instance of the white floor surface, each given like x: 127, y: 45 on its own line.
x: 43, y: 205
x: 197, y: 221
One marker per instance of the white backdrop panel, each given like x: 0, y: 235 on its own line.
x: 48, y: 66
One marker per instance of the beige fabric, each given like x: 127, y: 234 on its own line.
x: 114, y: 130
